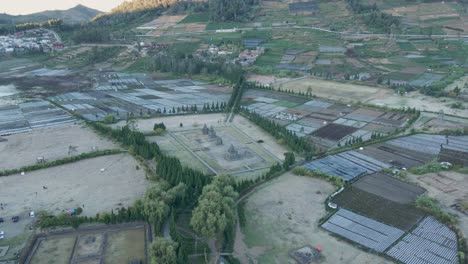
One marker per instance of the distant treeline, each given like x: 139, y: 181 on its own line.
x: 373, y: 17
x: 11, y: 29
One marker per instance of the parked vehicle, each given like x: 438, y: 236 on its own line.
x: 15, y: 219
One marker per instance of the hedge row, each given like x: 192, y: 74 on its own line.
x: 59, y: 162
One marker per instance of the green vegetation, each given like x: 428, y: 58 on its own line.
x: 406, y: 46
x: 109, y: 119
x: 163, y: 252
x: 229, y: 10
x: 338, y: 182
x: 131, y: 214
x: 196, y: 18
x: 373, y: 17
x: 432, y: 167
x: 216, y: 208
x: 61, y: 161
x: 289, y: 159
x: 159, y: 126
x: 431, y: 206
x: 296, y: 143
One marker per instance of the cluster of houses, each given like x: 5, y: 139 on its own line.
x: 30, y: 41
x: 248, y: 57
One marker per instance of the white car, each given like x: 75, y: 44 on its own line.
x: 1, y: 237
x: 2, y: 233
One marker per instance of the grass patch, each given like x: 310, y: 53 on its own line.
x: 126, y: 245
x: 196, y: 18
x: 223, y: 25
x: 406, y: 46
x: 285, y: 104
x: 141, y: 65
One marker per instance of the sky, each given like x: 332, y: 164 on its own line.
x: 24, y: 7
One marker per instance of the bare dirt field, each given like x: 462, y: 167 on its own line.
x: 283, y: 215
x: 449, y: 188
x: 98, y: 184
x: 54, y: 251
x: 50, y: 143
x: 334, y: 90
x: 125, y: 245
x: 346, y: 92
x: 421, y: 102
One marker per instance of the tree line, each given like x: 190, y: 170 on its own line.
x: 296, y: 143
x: 230, y: 10
x: 188, y: 64
x: 11, y: 29
x: 373, y: 17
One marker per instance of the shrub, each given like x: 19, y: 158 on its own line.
x: 428, y: 168
x: 431, y: 206
x: 338, y: 182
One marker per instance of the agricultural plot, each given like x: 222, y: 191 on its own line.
x: 426, y: 79
x: 283, y: 215
x: 397, y: 157
x: 100, y: 244
x: 389, y: 188
x: 362, y: 230
x: 27, y: 116
x: 379, y: 208
x: 348, y: 165
x: 252, y: 43
x: 331, y: 49
x: 334, y: 131
x: 430, y: 242
x: 162, y: 22
x: 48, y: 144
x: 137, y: 95
x: 12, y: 67
x: 55, y: 250
x: 430, y: 144
x: 300, y: 7
x: 327, y: 124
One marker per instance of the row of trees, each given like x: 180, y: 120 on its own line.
x: 373, y: 17
x: 230, y: 10
x: 51, y: 23
x: 7, y: 29
x: 130, y: 214
x: 298, y: 144
x: 188, y: 64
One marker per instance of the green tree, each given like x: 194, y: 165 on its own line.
x: 163, y: 252
x: 109, y: 119
x: 289, y: 159
x: 216, y: 207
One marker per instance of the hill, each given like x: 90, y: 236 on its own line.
x: 77, y: 14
